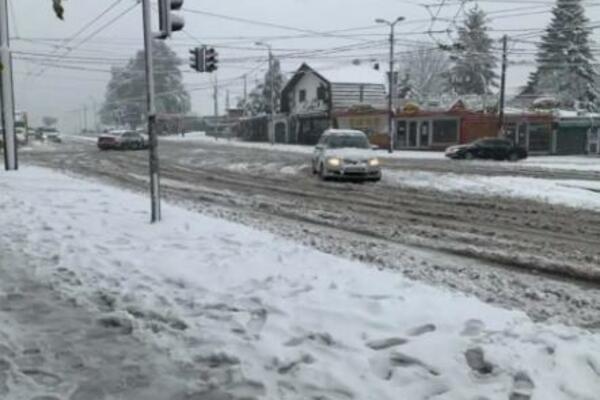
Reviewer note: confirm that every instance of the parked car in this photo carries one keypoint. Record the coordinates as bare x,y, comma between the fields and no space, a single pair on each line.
127,140
345,154
488,148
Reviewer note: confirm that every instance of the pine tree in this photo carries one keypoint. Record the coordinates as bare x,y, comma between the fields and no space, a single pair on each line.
564,60
125,99
474,63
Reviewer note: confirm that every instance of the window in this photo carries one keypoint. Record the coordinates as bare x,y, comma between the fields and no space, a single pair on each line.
302,96
445,131
321,93
342,142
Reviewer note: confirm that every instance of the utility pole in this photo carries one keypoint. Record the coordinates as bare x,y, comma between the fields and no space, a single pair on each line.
7,96
271,75
85,120
216,97
502,86
151,111
245,89
392,83
227,100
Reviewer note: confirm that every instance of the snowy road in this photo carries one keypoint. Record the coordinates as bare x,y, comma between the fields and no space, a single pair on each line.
543,258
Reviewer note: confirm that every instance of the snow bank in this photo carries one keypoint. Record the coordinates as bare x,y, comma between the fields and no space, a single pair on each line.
190,136
573,193
272,319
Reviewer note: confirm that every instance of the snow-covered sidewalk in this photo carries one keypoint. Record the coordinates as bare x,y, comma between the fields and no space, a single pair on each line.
254,316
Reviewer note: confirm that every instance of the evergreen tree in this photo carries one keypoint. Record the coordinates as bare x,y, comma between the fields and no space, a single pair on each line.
125,99
473,60
564,60
259,99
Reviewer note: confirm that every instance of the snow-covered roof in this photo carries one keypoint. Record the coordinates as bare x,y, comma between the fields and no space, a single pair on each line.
344,132
353,74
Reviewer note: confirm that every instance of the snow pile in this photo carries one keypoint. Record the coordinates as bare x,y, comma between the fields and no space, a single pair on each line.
265,318
189,136
573,193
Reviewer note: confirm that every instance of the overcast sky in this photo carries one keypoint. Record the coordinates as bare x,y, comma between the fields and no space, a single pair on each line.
75,74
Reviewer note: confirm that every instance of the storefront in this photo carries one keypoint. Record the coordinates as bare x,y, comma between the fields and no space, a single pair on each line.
368,120
534,132
433,132
593,144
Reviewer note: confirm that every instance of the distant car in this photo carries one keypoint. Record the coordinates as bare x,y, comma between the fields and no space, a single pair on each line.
345,154
21,136
49,134
128,140
488,148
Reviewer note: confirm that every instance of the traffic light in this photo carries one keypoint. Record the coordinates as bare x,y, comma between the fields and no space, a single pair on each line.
169,22
204,59
210,60
197,58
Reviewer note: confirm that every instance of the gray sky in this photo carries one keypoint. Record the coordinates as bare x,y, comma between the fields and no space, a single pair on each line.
76,72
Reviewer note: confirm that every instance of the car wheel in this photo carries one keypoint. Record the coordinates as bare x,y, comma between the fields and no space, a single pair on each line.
322,172
469,155
513,156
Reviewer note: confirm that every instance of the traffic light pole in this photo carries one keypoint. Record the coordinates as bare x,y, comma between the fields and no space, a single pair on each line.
151,111
392,94
7,93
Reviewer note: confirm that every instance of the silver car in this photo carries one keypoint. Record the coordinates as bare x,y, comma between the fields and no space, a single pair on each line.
345,154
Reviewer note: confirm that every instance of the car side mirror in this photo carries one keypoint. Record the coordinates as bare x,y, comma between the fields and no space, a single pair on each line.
374,147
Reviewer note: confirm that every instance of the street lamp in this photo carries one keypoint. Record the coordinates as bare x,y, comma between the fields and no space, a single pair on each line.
392,86
268,46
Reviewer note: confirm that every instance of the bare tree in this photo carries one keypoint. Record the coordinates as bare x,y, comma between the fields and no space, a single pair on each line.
425,70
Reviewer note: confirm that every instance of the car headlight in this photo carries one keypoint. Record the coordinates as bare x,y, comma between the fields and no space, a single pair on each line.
374,162
334,162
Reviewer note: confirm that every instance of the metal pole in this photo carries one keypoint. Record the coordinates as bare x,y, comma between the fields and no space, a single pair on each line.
392,91
502,85
7,93
154,167
216,99
245,93
85,120
272,96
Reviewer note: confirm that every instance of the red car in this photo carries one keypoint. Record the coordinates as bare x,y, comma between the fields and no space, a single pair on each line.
124,141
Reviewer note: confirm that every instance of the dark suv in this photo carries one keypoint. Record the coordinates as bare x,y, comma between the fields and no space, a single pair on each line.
489,148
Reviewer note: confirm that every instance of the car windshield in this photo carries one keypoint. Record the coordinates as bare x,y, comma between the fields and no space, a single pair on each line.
342,142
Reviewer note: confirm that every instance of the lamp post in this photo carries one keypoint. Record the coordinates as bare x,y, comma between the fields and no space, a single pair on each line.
392,86
272,100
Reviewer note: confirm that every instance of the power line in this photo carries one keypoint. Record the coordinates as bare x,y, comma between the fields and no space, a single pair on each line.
97,31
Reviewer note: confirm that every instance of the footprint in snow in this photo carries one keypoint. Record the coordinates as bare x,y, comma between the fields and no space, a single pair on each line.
258,319
324,339
43,378
421,330
382,344
522,387
473,327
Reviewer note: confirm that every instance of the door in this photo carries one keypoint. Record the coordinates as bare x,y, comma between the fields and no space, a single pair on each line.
424,134
280,132
522,136
412,134
401,134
